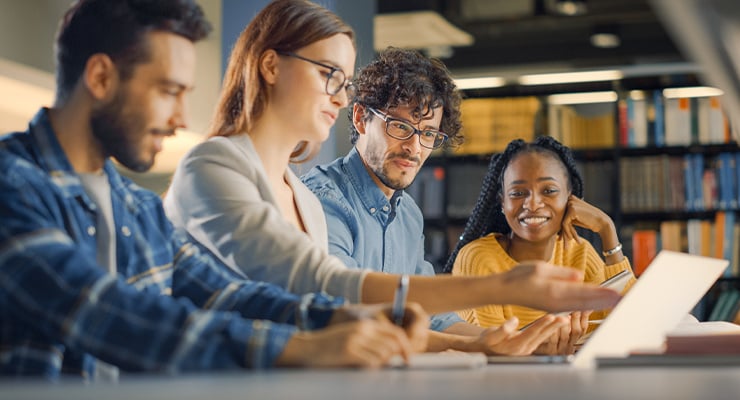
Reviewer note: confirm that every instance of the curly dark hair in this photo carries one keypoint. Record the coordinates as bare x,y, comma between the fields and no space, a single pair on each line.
400,77
487,216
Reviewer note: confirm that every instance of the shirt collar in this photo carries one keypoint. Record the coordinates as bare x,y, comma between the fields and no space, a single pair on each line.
368,191
55,162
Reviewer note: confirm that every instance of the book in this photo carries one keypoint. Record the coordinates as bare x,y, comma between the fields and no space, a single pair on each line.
644,249
718,338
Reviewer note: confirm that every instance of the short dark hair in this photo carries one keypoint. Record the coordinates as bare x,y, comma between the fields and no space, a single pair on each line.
487,216
399,77
117,28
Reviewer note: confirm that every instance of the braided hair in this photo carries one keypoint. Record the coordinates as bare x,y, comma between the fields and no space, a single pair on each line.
487,215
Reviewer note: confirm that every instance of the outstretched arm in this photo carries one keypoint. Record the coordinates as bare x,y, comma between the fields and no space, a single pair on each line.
532,284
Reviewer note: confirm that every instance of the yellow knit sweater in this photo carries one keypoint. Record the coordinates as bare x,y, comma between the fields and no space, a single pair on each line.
485,256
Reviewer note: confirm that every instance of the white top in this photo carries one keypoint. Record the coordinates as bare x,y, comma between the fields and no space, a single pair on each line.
220,194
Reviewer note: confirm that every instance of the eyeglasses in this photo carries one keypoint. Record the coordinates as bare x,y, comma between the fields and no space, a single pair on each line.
335,78
402,130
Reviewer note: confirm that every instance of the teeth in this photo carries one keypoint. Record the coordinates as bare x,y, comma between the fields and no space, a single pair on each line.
534,220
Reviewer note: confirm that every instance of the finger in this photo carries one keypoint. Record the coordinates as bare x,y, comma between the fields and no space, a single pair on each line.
540,331
564,336
549,271
576,326
380,342
585,317
573,296
416,326
574,233
498,340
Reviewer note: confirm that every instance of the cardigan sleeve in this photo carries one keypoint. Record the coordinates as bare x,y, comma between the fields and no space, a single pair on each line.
477,260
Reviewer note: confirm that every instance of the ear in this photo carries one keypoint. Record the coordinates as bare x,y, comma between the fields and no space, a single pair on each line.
268,66
100,77
358,117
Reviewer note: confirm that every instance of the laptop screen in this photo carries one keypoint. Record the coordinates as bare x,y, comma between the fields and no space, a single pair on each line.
671,285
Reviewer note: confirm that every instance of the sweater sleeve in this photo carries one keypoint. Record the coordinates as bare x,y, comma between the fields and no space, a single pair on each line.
476,260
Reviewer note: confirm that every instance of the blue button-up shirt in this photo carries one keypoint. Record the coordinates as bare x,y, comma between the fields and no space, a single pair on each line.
366,229
170,307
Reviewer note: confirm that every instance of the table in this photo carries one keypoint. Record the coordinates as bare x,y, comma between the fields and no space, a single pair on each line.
492,382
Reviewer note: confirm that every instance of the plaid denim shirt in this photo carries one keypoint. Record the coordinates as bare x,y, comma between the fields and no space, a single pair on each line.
170,308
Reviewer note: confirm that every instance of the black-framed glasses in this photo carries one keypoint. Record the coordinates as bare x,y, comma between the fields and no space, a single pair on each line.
335,78
402,130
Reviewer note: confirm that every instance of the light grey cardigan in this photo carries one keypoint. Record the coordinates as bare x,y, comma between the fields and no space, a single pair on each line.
221,196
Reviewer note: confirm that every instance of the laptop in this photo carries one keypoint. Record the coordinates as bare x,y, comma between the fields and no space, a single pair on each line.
663,295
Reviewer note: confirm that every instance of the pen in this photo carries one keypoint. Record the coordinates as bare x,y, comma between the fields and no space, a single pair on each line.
399,300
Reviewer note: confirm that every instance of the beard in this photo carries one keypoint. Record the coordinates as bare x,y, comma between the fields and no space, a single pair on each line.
118,129
378,165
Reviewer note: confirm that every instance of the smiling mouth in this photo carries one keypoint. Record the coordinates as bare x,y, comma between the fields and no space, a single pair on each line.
533,220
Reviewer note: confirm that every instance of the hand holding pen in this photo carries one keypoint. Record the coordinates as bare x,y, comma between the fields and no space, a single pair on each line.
409,317
399,300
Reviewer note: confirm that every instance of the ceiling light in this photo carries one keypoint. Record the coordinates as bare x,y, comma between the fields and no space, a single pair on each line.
570,77
417,30
480,82
606,37
693,91
583,98
570,7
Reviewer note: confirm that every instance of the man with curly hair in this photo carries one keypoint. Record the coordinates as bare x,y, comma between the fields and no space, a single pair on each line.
404,106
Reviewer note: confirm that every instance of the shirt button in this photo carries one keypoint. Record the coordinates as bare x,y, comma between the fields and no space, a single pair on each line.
372,210
126,231
91,230
385,208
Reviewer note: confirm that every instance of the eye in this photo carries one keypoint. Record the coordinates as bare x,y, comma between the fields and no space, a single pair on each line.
552,191
172,91
402,127
516,193
429,134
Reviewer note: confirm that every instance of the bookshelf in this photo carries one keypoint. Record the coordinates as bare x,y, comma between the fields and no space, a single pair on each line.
680,190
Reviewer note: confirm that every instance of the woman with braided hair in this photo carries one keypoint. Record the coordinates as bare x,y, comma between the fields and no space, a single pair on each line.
528,208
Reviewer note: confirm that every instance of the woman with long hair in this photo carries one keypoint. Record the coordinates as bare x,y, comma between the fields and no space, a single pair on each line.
288,76
528,208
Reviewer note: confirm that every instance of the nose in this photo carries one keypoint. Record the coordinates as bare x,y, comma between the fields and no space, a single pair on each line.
533,201
341,99
412,145
178,119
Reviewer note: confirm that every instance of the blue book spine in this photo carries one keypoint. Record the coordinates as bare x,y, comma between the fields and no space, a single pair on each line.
659,125
736,194
698,172
732,179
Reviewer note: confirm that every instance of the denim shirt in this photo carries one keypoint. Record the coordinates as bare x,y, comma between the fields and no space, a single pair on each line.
169,308
365,229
